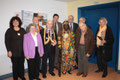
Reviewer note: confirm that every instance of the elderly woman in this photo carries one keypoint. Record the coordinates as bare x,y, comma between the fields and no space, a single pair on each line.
104,43
66,41
33,50
14,45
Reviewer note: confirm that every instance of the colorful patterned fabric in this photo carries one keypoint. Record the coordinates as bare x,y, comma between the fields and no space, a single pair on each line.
68,51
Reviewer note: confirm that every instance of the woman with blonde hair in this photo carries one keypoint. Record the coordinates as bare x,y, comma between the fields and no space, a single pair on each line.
104,44
33,50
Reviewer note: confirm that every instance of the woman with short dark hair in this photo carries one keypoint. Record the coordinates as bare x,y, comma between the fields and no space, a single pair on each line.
14,45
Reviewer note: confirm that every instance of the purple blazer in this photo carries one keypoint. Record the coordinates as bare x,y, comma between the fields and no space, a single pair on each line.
29,45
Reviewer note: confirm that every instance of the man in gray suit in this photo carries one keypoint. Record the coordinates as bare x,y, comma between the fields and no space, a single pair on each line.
57,27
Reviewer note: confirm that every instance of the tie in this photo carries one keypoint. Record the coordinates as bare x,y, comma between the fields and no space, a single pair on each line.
39,28
55,26
49,33
71,27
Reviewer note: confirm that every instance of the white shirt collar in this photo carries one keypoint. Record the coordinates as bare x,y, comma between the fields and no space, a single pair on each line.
35,39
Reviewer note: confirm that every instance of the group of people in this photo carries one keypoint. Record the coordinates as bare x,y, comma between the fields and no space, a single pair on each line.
74,42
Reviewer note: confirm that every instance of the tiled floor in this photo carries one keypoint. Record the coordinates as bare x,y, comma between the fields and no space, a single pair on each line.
112,75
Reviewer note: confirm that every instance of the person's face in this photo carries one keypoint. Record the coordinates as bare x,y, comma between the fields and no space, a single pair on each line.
49,24
32,29
15,23
35,20
55,18
70,19
102,23
66,27
38,17
82,26
81,20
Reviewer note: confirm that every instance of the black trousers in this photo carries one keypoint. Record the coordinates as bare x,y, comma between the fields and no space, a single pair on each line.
77,59
49,54
101,60
34,66
18,67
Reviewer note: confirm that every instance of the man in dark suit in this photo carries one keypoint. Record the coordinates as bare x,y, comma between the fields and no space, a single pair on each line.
49,41
57,26
73,27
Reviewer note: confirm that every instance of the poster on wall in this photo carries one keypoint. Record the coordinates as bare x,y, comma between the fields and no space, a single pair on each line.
42,19
27,17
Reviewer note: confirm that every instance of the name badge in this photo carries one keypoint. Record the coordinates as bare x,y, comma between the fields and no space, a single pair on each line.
18,34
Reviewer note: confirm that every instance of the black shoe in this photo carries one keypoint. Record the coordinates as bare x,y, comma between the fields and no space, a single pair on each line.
76,67
56,67
53,74
69,72
23,78
104,75
40,71
44,76
38,79
97,71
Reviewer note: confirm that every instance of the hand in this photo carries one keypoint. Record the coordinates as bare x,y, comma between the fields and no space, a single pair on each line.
59,46
103,41
41,55
54,43
88,55
9,54
27,57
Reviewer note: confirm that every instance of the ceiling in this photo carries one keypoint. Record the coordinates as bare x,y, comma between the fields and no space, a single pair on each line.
66,0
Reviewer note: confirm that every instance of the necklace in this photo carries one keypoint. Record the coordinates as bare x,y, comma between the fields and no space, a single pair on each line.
49,37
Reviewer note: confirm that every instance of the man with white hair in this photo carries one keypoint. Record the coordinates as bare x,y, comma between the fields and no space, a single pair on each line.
83,20
73,26
49,41
84,44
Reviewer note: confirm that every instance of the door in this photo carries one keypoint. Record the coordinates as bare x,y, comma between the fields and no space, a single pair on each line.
111,13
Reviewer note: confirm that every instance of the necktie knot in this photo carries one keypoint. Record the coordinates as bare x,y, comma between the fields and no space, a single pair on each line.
71,27
49,32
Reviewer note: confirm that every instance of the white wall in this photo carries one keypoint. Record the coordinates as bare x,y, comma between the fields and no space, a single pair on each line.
8,9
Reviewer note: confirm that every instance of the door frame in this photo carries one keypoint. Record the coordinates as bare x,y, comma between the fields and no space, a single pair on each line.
107,5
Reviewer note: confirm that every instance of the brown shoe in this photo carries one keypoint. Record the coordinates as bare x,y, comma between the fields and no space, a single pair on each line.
84,75
79,73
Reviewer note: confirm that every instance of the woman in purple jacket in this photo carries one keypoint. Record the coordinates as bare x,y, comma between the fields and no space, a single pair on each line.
33,50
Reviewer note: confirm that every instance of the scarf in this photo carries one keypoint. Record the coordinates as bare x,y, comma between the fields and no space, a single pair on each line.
101,33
